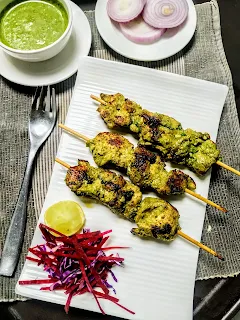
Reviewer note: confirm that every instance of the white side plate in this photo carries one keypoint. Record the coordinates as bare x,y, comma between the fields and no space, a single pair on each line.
169,44
158,279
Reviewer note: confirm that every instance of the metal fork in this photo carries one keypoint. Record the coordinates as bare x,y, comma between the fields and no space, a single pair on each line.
41,123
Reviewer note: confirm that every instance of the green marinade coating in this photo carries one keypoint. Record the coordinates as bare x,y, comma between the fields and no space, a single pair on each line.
161,132
144,168
147,171
111,149
154,217
119,195
158,219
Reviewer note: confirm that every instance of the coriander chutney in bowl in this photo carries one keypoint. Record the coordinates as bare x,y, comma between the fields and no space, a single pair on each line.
31,25
37,27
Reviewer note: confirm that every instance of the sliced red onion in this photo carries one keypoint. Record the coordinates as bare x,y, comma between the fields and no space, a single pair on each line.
165,13
124,10
140,32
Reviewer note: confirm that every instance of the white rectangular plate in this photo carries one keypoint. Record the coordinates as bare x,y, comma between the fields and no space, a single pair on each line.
158,279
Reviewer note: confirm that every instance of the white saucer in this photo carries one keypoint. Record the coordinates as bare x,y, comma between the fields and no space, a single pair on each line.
57,69
169,44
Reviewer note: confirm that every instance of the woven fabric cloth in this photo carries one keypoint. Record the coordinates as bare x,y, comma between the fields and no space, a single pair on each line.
203,58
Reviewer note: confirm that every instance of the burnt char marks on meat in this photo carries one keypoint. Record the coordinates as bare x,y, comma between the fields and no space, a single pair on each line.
142,157
112,181
111,186
116,141
140,162
177,181
105,114
157,230
132,215
128,195
77,175
112,203
153,123
172,156
120,121
129,106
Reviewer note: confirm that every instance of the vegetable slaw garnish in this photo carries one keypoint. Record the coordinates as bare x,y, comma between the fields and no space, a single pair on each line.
76,264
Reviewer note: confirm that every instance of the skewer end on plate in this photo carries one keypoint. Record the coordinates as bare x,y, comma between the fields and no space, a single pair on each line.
98,99
64,164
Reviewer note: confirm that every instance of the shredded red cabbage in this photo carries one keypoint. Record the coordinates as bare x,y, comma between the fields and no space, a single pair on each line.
76,264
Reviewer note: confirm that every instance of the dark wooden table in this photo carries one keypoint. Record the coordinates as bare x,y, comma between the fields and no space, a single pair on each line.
213,299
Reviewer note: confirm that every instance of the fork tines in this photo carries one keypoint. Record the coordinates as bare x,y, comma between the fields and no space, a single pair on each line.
44,99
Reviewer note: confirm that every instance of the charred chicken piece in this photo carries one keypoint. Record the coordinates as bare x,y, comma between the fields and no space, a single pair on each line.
119,195
147,171
161,132
158,219
111,149
154,217
144,168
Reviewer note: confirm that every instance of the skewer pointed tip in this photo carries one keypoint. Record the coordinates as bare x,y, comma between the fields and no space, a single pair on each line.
220,257
73,132
211,203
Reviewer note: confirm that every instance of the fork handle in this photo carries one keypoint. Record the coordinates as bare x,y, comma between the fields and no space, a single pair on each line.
15,235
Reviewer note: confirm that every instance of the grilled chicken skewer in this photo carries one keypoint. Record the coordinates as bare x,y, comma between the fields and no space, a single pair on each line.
161,132
154,217
144,168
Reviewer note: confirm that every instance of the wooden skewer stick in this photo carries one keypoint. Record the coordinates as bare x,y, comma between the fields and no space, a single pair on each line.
64,164
196,195
219,163
73,132
180,233
211,203
225,166
200,245
98,99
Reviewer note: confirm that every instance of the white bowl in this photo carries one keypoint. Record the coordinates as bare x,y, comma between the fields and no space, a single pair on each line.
43,53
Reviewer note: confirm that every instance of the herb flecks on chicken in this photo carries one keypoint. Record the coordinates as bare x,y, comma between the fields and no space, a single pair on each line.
157,218
111,149
154,217
161,132
121,196
119,111
144,168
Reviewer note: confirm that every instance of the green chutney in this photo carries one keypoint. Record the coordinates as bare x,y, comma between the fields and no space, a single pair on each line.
31,25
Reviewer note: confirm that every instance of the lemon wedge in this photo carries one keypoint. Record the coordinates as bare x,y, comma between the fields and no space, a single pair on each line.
66,217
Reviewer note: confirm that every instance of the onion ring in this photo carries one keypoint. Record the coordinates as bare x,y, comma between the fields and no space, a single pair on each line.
139,31
124,10
165,13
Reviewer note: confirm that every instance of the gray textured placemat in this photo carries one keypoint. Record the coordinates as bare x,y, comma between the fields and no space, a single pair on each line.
203,58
